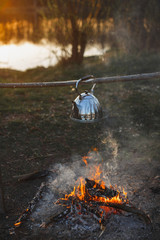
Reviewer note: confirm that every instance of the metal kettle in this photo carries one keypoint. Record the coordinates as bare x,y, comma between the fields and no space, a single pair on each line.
86,107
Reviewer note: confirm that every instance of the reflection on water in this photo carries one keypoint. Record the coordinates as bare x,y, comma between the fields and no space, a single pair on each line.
29,55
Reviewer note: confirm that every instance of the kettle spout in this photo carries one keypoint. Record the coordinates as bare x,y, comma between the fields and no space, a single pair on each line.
75,110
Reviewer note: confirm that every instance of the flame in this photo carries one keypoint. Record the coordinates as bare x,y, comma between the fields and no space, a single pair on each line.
96,173
84,159
17,224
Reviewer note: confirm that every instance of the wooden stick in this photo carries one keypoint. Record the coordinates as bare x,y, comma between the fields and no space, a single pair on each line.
135,77
32,176
125,208
30,207
58,213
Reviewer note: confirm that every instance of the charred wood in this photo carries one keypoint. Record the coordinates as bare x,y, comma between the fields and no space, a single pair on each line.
59,213
30,207
94,207
95,189
126,208
86,208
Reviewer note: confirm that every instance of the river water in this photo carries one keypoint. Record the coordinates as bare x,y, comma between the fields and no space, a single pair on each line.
28,55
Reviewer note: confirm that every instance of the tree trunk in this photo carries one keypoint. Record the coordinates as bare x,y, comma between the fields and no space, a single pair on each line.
75,37
83,43
75,54
79,41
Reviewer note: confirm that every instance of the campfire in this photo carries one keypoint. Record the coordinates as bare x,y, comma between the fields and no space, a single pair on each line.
90,199
91,196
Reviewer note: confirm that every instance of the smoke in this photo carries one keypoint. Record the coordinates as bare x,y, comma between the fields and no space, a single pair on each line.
123,37
112,172
101,165
68,174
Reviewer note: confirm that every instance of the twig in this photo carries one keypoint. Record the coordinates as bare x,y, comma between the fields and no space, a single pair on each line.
30,207
59,213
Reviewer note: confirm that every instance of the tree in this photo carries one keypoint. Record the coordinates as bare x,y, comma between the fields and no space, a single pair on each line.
73,23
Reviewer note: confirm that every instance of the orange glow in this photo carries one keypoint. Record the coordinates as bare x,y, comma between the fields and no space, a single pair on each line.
95,149
84,159
125,193
80,192
17,224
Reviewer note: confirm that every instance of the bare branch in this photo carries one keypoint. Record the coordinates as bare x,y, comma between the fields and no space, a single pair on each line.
135,77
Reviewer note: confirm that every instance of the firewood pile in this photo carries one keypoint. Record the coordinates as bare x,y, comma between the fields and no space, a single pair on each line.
93,200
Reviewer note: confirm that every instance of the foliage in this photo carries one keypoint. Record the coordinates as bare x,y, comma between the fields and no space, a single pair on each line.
131,26
74,25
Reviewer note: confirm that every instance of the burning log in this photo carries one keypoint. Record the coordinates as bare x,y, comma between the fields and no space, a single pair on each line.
95,189
97,199
126,208
95,211
30,207
80,210
94,208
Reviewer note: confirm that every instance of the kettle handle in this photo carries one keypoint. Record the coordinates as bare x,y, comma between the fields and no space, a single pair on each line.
83,79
